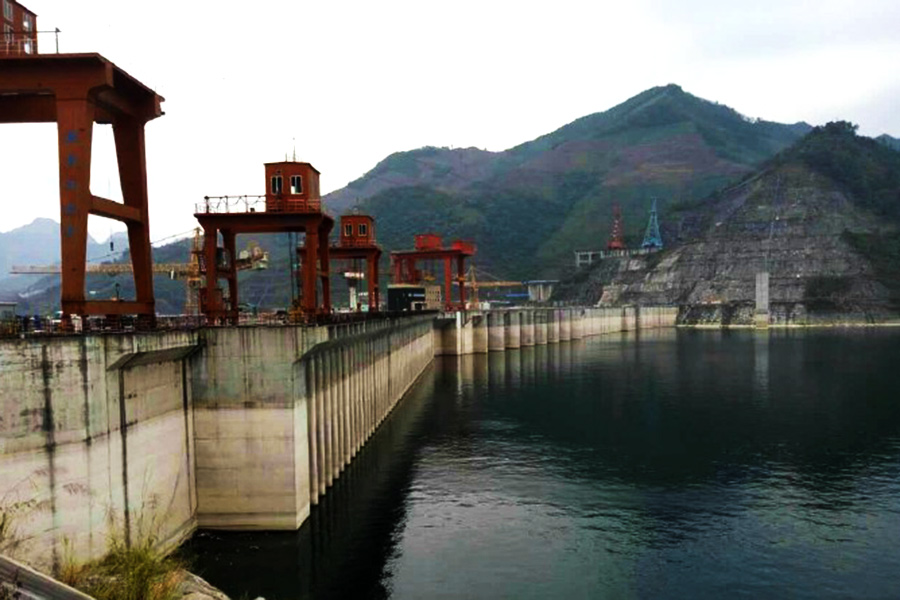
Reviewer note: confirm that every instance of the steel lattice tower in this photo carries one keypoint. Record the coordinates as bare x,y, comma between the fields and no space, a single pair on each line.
616,241
652,238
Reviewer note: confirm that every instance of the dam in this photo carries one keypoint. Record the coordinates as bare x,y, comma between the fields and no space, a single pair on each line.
136,436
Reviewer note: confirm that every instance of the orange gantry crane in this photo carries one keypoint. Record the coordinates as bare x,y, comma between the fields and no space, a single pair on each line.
192,272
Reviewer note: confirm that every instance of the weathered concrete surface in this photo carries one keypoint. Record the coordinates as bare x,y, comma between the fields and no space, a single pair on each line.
512,323
249,428
496,331
96,441
349,386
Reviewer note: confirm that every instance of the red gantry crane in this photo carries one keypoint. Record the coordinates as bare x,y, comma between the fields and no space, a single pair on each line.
291,204
430,247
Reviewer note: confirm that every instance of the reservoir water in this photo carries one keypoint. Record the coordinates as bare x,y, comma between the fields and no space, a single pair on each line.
673,464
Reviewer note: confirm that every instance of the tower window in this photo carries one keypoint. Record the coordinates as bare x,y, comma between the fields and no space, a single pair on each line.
348,230
8,33
276,184
363,229
26,22
26,46
8,10
296,184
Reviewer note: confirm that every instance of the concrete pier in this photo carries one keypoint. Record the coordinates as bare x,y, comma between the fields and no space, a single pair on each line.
512,320
540,327
565,324
496,331
553,326
526,336
385,363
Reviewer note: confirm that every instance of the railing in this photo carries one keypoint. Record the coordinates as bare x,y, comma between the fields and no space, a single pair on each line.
30,328
25,43
254,204
286,205
231,204
353,242
20,581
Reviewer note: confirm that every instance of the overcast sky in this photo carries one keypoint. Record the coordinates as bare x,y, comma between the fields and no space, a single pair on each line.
352,82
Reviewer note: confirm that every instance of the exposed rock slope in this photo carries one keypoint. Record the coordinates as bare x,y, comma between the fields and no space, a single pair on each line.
819,218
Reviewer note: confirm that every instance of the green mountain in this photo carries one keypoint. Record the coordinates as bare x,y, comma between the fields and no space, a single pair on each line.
822,217
528,208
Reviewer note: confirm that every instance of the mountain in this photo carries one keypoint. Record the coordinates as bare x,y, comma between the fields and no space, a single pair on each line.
822,217
528,208
38,244
889,141
440,168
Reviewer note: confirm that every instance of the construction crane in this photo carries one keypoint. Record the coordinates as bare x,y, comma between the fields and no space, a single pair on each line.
473,283
253,257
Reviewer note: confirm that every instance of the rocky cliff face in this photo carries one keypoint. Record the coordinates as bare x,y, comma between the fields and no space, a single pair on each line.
790,219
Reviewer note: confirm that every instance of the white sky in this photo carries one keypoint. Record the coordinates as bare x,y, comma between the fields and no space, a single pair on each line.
354,81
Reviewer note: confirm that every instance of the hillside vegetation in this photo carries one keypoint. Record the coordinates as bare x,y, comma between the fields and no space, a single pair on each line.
822,217
528,208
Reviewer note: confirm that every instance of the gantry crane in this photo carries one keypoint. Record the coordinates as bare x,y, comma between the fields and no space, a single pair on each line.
253,257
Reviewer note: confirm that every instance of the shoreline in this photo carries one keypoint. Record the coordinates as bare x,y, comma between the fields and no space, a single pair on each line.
842,325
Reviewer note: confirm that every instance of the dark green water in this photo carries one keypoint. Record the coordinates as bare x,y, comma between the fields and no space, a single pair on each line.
696,464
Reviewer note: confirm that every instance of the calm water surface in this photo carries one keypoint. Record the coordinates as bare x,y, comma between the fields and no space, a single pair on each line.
693,464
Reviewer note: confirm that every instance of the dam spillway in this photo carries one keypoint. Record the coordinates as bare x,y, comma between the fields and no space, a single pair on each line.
158,434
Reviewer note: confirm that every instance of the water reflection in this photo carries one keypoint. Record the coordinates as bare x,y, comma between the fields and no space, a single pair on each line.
693,463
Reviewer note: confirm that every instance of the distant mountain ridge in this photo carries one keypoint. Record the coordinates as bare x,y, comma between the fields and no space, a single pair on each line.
529,207
38,244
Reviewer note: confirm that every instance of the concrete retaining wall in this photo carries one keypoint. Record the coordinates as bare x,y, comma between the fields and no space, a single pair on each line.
97,441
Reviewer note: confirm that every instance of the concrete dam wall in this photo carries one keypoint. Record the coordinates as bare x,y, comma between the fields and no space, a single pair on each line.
95,442
157,434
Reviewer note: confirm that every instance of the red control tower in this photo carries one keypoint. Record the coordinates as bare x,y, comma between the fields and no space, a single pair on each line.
357,243
291,204
19,30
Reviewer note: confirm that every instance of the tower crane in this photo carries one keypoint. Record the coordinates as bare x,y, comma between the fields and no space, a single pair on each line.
251,258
